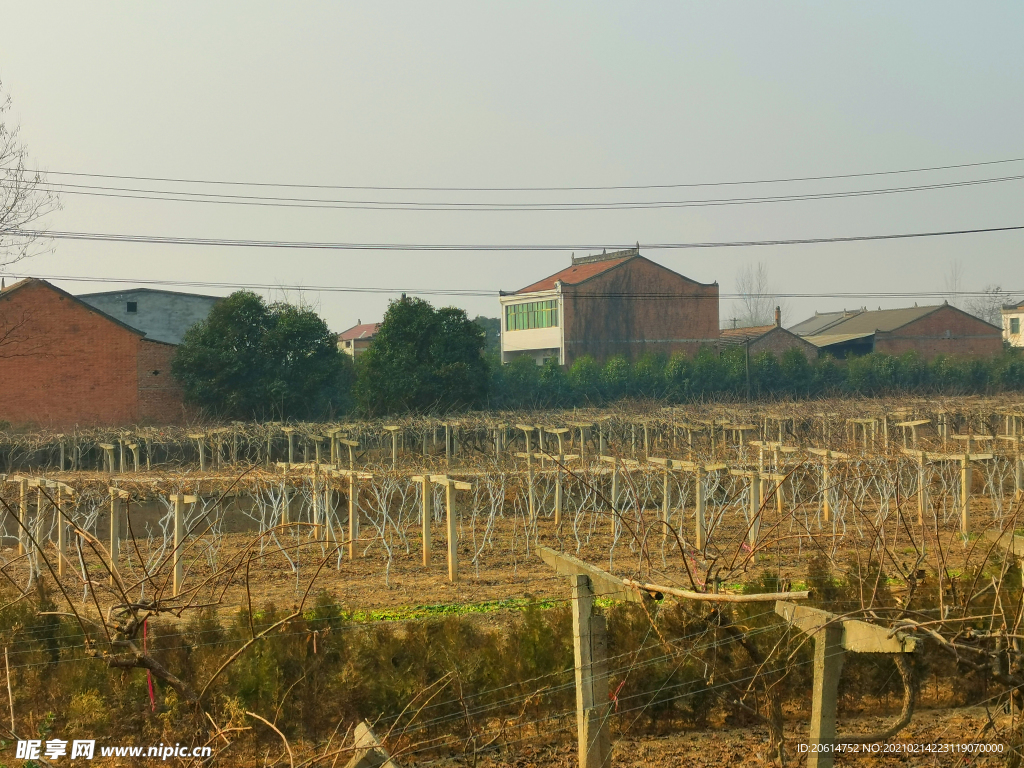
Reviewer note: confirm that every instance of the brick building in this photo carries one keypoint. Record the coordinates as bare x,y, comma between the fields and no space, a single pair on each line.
929,331
357,339
768,338
613,304
65,363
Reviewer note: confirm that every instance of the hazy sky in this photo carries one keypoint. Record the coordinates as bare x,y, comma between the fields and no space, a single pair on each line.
487,94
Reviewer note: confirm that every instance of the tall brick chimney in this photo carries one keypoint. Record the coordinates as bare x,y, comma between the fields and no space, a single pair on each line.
778,317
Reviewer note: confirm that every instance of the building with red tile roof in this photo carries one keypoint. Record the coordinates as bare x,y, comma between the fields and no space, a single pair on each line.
611,304
356,339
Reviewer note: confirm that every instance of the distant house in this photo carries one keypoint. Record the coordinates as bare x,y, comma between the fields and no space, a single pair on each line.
768,338
161,315
612,304
65,363
356,339
1012,316
930,331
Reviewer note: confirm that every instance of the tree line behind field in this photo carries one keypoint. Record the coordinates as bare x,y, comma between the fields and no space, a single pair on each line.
256,360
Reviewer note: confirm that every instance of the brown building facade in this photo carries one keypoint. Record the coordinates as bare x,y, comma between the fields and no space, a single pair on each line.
64,363
613,304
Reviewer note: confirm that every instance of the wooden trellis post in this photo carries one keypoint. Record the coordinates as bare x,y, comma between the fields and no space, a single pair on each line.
450,486
559,433
290,431
753,478
699,471
62,529
180,500
833,637
531,492
827,456
22,515
353,505
394,445
584,429
427,503
116,494
590,651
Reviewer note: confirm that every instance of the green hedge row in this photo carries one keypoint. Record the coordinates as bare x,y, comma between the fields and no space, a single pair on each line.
522,384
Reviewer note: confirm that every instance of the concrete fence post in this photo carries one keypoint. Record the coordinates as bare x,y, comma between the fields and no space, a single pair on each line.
453,537
755,510
698,494
62,532
428,513
115,535
589,645
353,515
22,516
828,663
179,535
965,495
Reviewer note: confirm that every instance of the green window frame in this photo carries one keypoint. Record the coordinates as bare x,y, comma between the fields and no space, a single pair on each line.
1014,325
531,314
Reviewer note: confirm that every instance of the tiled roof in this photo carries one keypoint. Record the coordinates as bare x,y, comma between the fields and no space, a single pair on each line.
881,320
364,331
575,274
742,335
820,322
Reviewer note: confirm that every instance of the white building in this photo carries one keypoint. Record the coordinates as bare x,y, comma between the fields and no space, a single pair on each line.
1013,317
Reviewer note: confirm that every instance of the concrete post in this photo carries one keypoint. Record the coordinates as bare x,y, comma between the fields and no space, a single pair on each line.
201,444
115,536
755,509
291,447
615,495
698,494
666,502
428,513
448,443
922,489
965,495
353,516
23,517
558,483
828,663
62,533
179,535
453,537
826,487
589,645
600,440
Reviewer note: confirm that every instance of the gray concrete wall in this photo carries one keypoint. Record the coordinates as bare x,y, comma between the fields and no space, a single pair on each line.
161,315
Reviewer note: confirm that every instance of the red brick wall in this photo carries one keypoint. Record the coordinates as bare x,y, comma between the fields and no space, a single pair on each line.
64,364
637,308
160,396
947,331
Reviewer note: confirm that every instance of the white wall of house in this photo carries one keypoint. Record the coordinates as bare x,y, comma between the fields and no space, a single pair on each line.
1013,324
538,343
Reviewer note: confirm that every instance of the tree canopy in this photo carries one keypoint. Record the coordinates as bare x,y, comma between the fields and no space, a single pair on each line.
423,359
250,359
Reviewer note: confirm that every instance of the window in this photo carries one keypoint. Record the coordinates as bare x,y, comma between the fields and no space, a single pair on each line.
534,314
1015,325
133,307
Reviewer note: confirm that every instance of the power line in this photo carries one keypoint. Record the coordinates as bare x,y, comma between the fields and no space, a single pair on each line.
491,207
528,189
340,246
492,293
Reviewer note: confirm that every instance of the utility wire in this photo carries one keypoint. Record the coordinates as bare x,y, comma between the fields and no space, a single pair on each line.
492,207
525,189
458,247
491,293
